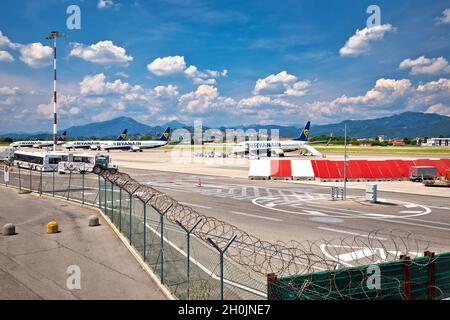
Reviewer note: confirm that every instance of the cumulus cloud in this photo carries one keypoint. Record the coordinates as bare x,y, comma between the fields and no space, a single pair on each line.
36,55
204,98
102,52
439,108
97,85
260,101
5,42
423,65
281,83
383,94
67,105
166,91
445,17
172,65
5,56
359,42
104,4
433,86
9,90
167,65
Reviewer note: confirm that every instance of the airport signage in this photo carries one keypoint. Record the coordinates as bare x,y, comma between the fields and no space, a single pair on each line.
6,173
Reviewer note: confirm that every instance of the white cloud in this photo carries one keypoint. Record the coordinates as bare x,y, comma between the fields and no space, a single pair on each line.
260,101
439,108
5,42
173,65
103,4
359,42
103,52
167,65
433,86
5,56
97,85
166,91
445,18
423,65
9,90
204,98
36,55
281,83
383,94
67,105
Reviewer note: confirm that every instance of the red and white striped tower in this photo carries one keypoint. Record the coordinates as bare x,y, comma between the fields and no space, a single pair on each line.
54,35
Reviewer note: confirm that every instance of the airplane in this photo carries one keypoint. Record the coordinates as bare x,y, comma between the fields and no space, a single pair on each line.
93,144
135,146
39,144
274,147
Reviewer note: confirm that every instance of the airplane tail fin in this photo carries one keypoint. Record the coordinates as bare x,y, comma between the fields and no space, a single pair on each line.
165,135
305,133
62,137
122,136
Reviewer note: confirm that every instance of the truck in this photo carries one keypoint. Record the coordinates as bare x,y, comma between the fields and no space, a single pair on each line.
421,173
444,181
86,162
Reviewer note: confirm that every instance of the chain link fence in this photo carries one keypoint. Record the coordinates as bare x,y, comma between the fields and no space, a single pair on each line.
200,257
158,227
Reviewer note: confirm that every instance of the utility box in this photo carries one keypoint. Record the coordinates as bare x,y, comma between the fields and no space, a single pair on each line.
337,193
372,193
421,173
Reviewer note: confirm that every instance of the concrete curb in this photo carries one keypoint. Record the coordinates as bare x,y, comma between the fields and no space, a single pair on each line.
122,238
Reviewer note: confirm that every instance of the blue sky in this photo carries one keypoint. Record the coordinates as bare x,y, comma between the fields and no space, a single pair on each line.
223,62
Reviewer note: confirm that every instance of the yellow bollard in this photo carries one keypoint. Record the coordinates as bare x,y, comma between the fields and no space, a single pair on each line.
52,227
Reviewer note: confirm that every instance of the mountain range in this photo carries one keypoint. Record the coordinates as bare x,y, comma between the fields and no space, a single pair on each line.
407,124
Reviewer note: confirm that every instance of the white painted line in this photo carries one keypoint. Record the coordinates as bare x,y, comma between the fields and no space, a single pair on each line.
254,216
315,213
350,233
195,205
339,231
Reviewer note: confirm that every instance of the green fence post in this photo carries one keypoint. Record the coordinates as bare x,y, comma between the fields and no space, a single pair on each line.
120,209
145,231
131,208
112,202
53,183
82,188
20,181
70,182
99,193
40,183
161,250
221,253
106,199
188,250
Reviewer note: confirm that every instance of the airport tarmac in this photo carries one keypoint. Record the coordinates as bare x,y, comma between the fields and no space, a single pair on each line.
33,264
277,211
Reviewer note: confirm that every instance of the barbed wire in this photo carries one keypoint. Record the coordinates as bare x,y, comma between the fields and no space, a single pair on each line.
281,258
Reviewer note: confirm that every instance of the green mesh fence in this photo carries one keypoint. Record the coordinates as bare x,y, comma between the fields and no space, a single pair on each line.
420,278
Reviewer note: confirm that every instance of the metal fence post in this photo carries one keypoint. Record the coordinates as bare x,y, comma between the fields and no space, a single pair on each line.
406,277
31,183
99,193
431,275
40,184
53,183
20,181
120,209
145,230
161,250
131,208
112,202
221,253
82,188
70,182
188,250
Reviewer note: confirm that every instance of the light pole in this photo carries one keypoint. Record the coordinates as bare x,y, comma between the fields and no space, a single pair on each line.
54,35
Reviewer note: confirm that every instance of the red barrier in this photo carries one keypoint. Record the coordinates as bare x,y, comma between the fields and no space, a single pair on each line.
280,168
337,170
354,171
322,169
440,166
395,168
365,169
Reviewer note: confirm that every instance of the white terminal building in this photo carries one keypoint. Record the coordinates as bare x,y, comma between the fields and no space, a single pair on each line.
437,142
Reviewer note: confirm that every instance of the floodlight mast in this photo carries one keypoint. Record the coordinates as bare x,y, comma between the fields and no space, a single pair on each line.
53,36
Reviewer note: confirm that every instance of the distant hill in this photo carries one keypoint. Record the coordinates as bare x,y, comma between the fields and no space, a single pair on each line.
407,124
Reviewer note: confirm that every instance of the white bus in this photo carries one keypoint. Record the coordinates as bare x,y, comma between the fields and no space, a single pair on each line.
40,161
86,162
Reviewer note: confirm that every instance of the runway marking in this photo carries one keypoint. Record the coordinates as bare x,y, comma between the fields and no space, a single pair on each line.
348,232
315,213
255,216
195,205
